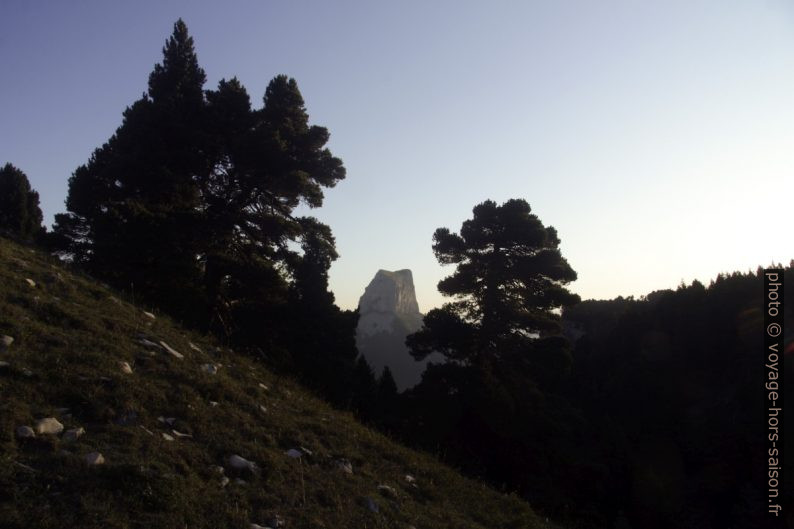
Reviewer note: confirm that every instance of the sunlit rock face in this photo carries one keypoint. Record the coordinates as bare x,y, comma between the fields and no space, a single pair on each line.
388,313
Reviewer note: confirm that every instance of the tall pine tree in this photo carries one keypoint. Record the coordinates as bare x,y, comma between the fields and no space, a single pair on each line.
133,208
492,407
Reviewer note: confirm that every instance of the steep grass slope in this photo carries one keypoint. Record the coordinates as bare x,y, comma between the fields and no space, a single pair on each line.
167,429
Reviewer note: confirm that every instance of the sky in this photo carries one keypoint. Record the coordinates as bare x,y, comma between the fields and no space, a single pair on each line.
656,137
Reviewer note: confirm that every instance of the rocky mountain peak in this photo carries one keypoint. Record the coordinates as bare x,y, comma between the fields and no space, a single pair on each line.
390,292
388,314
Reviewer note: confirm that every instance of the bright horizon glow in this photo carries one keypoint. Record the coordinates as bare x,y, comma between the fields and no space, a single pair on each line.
657,138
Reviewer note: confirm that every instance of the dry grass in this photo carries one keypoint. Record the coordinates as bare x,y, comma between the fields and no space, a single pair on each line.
70,335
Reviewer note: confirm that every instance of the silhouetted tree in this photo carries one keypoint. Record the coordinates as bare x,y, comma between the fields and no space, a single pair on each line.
365,390
669,384
321,336
388,400
192,199
492,407
134,207
267,162
20,215
510,277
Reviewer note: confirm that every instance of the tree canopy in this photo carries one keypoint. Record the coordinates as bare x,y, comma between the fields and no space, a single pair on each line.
20,215
191,201
510,277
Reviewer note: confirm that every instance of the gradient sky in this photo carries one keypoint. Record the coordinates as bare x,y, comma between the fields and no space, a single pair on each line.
657,137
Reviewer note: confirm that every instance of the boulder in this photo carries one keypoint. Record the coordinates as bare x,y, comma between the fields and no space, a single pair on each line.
25,432
5,342
239,463
211,369
94,458
73,434
387,492
49,426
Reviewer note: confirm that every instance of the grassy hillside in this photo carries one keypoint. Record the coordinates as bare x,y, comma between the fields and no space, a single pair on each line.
166,428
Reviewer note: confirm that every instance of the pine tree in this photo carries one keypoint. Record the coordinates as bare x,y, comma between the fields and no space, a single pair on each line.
20,215
133,208
509,281
506,357
267,162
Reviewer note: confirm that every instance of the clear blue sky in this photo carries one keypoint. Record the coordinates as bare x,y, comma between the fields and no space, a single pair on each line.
657,137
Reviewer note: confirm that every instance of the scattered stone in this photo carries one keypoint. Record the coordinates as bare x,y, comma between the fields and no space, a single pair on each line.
26,467
145,429
306,451
263,409
345,466
95,458
387,492
213,403
218,469
167,420
149,315
224,481
240,463
126,368
148,343
30,282
27,372
171,350
211,369
167,437
181,435
370,504
195,347
4,364
257,526
264,387
73,435
50,425
410,479
293,453
5,342
25,432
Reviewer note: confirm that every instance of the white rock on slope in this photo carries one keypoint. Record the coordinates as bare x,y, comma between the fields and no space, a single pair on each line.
240,463
50,425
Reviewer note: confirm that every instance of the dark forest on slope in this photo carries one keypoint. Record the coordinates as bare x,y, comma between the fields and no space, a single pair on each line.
620,413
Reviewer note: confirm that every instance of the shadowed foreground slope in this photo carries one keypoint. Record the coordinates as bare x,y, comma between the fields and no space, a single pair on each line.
166,429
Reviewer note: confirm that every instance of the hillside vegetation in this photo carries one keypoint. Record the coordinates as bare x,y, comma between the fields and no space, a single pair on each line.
167,428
